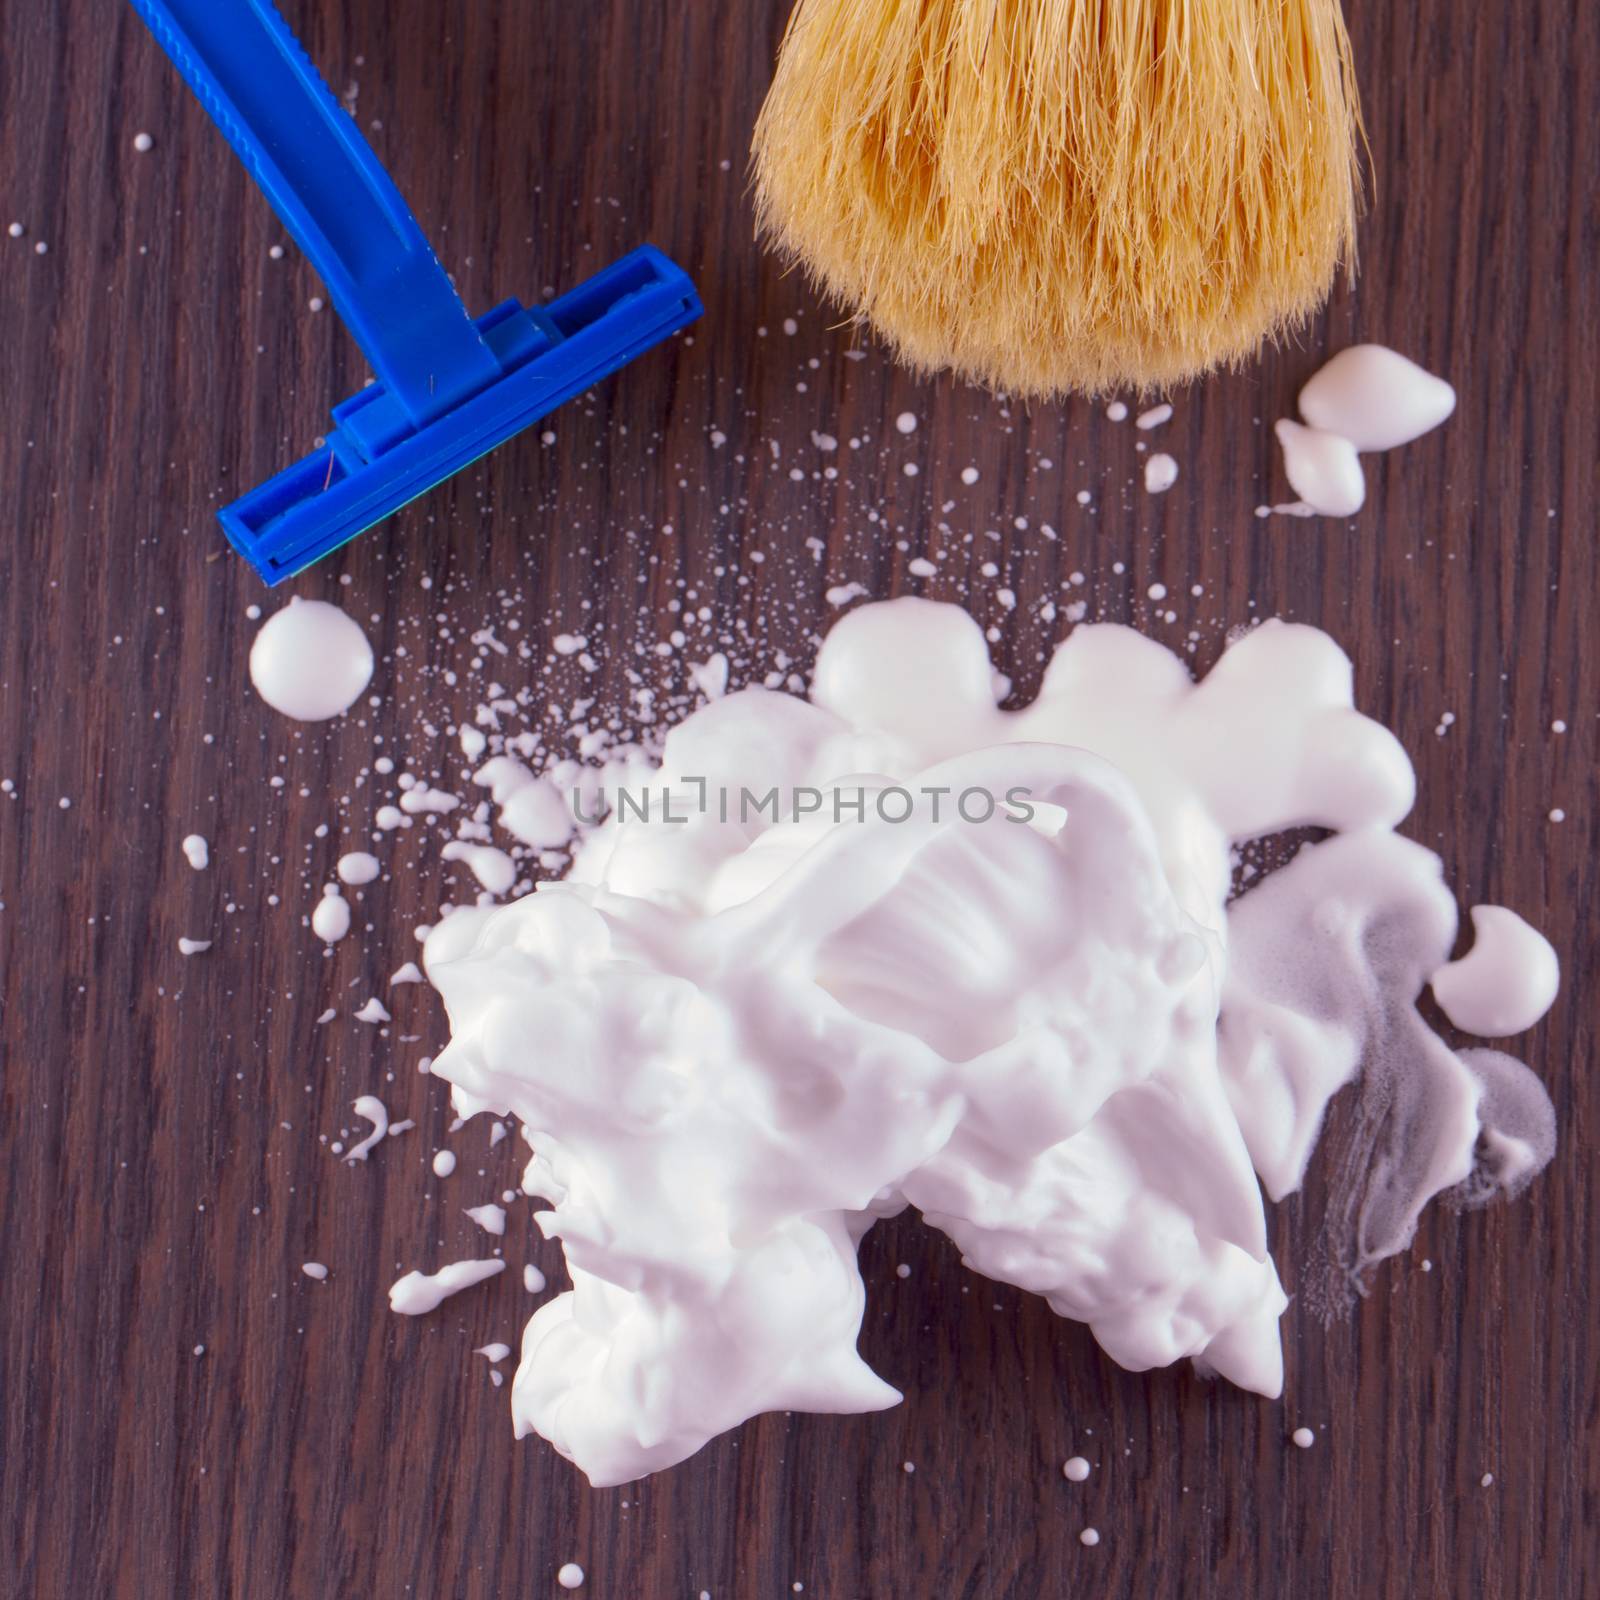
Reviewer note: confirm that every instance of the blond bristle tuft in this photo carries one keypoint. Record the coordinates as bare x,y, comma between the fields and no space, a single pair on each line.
1055,195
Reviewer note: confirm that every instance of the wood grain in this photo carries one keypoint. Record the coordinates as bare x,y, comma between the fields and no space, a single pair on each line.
162,1170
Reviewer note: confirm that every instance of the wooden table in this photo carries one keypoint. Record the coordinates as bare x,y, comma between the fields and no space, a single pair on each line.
164,1170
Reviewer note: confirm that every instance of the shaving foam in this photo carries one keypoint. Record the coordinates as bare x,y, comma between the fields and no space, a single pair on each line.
990,964
1366,399
310,661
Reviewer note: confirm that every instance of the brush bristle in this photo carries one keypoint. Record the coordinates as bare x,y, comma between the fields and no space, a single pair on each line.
1055,195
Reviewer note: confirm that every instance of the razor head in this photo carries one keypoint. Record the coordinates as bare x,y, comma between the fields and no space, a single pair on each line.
376,460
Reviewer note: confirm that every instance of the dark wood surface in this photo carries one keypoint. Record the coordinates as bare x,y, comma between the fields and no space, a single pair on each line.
162,1165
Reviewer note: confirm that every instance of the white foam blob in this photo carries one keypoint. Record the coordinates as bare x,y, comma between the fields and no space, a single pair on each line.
492,867
310,661
1375,398
1160,473
491,1218
425,799
330,920
372,1109
1322,468
530,808
358,867
418,1293
1505,983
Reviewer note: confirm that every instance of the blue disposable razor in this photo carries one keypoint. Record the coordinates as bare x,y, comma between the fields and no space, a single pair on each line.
448,389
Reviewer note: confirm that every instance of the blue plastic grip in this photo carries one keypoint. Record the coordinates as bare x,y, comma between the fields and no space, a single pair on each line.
309,159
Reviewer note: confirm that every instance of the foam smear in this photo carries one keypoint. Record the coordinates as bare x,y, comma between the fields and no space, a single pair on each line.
1327,959
735,1042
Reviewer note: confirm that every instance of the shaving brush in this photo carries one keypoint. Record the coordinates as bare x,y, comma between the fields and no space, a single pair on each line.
1058,195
